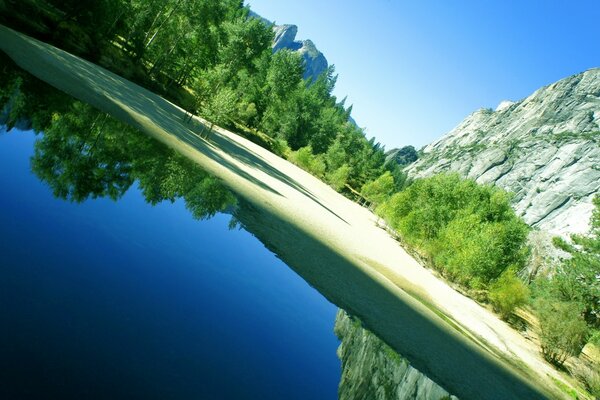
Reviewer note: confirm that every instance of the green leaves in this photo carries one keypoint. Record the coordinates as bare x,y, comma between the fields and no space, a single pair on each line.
507,293
468,230
380,189
577,279
563,332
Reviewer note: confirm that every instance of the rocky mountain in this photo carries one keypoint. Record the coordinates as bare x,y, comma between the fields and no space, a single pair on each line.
315,62
371,370
545,149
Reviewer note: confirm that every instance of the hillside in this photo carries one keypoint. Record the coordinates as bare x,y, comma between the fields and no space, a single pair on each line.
545,149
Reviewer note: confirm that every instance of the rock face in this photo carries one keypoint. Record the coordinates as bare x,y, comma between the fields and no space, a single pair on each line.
315,62
545,149
371,370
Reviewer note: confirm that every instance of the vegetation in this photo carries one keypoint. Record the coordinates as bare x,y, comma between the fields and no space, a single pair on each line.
507,293
589,376
84,153
403,156
563,333
568,302
380,189
213,58
472,236
469,232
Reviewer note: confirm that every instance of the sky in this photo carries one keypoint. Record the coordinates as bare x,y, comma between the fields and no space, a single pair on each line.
414,69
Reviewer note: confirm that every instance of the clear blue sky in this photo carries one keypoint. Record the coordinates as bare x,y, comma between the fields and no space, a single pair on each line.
415,69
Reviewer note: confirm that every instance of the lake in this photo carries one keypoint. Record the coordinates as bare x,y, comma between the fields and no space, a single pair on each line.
122,299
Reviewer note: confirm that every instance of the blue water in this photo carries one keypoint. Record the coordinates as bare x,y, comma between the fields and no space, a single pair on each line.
124,300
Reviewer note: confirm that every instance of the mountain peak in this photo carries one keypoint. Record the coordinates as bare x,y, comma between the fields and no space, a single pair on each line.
315,62
504,104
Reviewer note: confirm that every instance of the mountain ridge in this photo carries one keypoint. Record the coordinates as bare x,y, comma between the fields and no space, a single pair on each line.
544,149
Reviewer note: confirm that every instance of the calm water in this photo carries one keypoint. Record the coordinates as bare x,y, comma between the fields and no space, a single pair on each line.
122,299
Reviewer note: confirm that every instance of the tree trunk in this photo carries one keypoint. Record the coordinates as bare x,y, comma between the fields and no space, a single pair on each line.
162,23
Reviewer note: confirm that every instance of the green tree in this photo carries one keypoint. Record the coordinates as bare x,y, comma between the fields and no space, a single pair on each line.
563,332
507,293
80,156
578,277
380,189
469,231
338,178
221,107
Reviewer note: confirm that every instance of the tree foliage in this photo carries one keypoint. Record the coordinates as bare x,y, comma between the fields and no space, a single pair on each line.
469,231
563,332
507,293
380,189
568,301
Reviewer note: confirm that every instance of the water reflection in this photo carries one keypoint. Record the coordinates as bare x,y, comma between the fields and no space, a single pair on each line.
84,153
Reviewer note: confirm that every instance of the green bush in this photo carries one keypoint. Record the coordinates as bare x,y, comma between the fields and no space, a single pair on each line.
590,377
305,159
380,189
469,231
563,332
338,178
508,293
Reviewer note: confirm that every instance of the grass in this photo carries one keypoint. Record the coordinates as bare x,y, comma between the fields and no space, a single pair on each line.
569,391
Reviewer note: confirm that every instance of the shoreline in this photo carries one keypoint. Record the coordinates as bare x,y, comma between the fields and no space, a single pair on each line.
339,249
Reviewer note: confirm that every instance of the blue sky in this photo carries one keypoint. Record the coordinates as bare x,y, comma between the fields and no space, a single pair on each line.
414,69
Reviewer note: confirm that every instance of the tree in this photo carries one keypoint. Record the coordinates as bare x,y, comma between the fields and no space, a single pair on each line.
578,278
80,156
403,156
507,293
221,107
468,231
380,189
563,332
338,178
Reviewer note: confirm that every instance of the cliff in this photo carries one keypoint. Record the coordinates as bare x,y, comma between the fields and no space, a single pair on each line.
315,62
545,149
371,370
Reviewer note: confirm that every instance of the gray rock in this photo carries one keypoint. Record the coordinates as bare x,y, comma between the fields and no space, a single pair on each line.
285,36
545,149
315,62
371,370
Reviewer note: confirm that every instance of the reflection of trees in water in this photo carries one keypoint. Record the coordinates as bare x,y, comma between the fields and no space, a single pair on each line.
84,153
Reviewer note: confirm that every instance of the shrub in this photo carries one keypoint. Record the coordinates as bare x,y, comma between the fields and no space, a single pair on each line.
380,189
588,376
508,293
563,332
305,159
469,231
338,178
